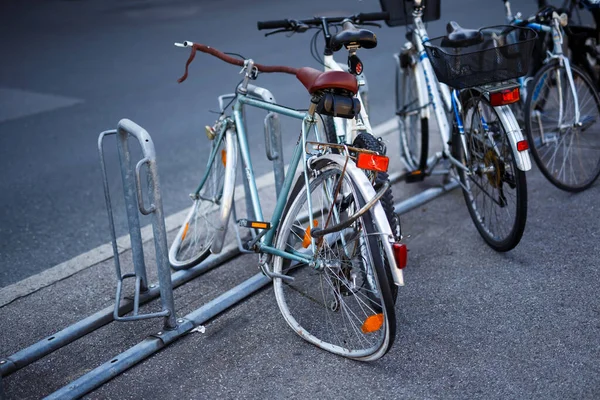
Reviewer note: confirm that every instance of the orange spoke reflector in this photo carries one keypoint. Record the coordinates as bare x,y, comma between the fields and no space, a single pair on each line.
306,239
185,231
400,254
505,97
372,162
224,157
372,323
522,145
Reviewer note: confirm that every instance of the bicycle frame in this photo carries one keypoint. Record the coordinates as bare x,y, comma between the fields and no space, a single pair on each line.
438,95
264,240
348,127
557,53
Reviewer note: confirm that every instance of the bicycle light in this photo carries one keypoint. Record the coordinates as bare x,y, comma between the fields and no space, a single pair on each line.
372,162
522,145
505,97
400,254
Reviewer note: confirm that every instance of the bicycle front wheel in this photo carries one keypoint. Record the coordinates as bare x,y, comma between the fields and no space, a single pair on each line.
566,150
494,189
414,130
193,241
341,300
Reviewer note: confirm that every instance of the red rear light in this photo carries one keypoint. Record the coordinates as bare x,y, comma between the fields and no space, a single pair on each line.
505,97
400,254
372,162
522,145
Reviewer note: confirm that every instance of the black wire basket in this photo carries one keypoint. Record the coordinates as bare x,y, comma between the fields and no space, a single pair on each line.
504,54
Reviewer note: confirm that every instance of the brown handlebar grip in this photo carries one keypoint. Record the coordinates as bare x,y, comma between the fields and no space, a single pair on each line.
232,60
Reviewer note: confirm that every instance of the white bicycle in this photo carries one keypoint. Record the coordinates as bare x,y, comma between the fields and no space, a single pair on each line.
483,146
356,132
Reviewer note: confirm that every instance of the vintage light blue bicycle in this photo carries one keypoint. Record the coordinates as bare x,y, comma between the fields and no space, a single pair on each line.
482,143
328,246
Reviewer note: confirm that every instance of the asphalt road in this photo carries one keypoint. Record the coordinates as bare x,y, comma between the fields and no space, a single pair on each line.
71,69
472,323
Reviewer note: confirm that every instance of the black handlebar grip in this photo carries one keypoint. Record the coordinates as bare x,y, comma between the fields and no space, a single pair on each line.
283,23
376,16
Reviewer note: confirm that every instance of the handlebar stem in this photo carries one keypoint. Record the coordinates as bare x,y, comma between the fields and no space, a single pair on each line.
248,70
327,51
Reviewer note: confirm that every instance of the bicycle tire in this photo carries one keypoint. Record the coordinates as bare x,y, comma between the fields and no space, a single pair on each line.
414,129
493,178
193,241
570,156
330,134
330,305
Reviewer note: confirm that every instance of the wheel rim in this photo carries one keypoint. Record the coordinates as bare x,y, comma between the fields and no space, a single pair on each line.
328,304
567,151
410,123
492,189
195,237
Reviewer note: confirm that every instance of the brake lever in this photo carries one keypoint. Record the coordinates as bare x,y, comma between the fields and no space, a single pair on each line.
295,27
278,31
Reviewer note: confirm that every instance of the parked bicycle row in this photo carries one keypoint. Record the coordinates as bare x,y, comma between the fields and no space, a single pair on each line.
334,246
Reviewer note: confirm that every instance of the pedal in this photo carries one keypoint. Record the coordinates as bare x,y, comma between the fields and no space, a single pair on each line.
245,223
415,176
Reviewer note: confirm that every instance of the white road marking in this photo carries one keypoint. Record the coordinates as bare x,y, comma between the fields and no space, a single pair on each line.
104,252
16,103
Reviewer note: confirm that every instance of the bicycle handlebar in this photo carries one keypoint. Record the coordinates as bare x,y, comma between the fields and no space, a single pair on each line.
290,23
231,60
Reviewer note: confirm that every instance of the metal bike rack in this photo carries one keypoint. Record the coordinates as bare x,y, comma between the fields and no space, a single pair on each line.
134,203
425,196
448,184
173,327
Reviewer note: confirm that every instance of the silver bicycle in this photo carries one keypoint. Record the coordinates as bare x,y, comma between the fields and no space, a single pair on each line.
466,79
349,33
561,108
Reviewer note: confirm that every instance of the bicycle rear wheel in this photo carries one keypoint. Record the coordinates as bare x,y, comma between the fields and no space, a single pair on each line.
494,189
414,130
343,303
566,151
367,141
193,241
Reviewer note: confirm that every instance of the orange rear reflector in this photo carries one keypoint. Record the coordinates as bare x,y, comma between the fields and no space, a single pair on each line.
306,239
185,231
522,145
224,157
505,97
400,254
372,162
372,323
